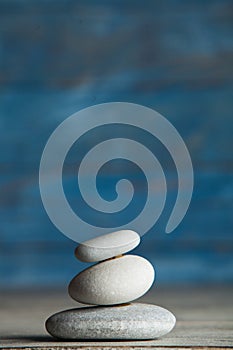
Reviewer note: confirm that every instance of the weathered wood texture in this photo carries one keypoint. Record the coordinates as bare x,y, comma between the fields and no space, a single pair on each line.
204,319
57,57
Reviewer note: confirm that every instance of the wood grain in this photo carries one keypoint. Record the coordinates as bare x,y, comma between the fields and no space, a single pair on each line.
204,319
57,57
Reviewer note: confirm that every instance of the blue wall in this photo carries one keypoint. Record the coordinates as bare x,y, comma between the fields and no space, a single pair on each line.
57,57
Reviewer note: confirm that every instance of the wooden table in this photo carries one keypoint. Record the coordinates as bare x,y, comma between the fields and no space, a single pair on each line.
204,319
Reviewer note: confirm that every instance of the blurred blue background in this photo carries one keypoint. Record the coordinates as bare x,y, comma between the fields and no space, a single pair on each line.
57,57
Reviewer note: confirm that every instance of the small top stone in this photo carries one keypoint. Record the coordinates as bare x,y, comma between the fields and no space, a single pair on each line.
107,246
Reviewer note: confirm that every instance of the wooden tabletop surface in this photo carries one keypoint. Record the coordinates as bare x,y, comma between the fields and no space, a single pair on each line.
204,319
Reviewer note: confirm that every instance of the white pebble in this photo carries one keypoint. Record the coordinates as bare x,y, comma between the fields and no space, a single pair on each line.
107,246
114,281
131,321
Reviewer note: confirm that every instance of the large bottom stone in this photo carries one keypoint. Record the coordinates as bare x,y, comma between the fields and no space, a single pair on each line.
128,321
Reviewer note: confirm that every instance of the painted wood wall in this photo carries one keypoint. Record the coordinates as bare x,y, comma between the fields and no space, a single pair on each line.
57,57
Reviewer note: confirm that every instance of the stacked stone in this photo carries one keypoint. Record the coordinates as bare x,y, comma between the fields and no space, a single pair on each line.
111,285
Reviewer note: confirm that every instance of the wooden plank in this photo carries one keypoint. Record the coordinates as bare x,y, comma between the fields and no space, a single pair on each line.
57,57
204,319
